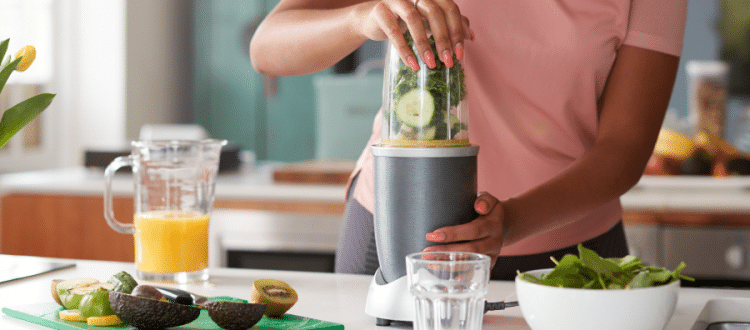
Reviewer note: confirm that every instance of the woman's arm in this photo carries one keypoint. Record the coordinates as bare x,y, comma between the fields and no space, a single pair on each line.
305,36
632,109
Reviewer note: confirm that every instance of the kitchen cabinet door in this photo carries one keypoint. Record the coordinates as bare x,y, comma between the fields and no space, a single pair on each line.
272,116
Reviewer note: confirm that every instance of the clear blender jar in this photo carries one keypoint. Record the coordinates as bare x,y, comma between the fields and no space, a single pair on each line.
425,108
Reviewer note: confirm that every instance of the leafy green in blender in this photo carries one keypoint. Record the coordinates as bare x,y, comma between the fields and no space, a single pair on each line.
590,271
445,86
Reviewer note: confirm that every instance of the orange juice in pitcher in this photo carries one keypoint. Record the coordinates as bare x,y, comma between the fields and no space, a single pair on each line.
174,196
171,241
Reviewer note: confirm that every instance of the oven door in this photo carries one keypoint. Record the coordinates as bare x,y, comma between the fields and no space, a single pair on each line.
272,240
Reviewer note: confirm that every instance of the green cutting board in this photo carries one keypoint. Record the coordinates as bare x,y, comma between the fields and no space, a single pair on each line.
47,315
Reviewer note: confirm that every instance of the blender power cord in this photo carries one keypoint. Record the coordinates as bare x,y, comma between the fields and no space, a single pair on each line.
499,305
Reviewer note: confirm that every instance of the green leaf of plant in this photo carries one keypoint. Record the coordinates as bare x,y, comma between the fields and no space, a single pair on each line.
605,267
661,276
7,70
21,114
630,264
566,273
641,280
532,278
4,47
5,62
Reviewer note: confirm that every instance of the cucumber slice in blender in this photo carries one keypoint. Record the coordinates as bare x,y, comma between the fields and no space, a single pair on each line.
415,108
426,133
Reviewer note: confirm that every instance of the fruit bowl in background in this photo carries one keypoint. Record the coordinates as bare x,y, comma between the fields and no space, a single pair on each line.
554,308
703,155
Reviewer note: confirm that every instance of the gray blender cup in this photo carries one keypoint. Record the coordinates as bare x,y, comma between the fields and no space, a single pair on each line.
418,190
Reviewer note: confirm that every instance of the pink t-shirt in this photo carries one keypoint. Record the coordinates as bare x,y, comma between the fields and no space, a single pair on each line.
534,74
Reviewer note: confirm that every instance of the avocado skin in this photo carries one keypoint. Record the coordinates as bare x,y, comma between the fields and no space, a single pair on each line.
234,315
145,313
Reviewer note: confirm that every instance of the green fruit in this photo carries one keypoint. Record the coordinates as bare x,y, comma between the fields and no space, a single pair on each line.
72,298
55,294
145,313
278,296
65,288
123,282
96,303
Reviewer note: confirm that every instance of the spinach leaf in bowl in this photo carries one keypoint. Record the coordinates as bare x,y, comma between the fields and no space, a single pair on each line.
590,271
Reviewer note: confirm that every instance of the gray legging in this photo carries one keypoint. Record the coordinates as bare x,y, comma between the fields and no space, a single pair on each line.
356,252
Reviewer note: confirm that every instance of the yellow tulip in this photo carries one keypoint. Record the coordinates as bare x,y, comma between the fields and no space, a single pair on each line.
29,54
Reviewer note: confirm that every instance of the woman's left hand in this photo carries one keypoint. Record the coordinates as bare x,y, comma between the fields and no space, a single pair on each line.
482,235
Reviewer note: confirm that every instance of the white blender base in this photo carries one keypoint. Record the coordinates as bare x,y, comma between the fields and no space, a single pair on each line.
389,301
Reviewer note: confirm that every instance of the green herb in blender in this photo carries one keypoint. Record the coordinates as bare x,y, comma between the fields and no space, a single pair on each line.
591,271
423,99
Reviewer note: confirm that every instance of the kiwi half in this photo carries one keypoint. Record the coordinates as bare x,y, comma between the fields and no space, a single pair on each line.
278,296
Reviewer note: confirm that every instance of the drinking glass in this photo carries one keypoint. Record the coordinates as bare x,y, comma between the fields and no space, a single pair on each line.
174,196
449,289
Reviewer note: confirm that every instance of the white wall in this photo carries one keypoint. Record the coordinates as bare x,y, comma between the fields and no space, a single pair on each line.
101,67
121,64
89,77
159,63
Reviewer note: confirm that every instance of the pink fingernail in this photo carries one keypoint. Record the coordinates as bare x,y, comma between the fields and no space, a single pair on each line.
448,58
481,207
411,61
429,59
435,237
472,33
460,51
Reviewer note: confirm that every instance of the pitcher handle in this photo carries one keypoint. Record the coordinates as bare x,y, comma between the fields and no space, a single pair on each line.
109,213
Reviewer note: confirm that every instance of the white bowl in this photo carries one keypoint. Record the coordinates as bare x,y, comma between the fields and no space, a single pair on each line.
552,308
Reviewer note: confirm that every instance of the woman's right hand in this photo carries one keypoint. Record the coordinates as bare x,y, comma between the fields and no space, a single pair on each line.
388,19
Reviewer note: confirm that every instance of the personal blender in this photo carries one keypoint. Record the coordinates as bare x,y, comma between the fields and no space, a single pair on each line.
425,173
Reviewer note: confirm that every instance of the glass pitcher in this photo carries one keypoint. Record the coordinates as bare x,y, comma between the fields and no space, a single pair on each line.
174,196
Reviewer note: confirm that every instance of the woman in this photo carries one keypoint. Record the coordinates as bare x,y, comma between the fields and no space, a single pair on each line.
567,98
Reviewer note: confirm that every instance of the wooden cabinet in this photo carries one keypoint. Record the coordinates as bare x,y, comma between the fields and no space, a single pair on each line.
66,226
63,227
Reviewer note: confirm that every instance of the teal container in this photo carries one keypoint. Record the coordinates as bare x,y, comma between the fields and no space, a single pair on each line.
346,107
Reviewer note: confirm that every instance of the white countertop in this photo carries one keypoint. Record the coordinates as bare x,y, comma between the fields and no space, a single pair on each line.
331,297
689,194
255,184
652,193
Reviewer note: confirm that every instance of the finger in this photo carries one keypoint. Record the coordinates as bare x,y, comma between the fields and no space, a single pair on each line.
467,28
439,28
477,229
484,246
390,26
485,203
455,22
414,21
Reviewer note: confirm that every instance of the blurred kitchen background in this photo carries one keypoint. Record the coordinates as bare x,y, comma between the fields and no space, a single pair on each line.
119,65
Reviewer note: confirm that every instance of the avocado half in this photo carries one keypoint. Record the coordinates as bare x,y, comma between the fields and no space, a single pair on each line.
234,315
145,313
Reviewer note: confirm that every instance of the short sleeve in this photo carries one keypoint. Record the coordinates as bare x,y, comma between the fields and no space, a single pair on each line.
657,25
